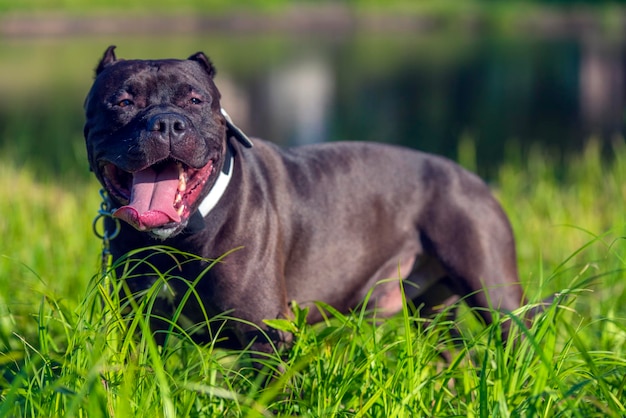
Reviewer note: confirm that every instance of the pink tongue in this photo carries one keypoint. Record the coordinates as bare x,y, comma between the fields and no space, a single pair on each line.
152,199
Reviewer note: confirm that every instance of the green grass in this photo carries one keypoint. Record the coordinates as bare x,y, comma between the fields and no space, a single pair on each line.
65,351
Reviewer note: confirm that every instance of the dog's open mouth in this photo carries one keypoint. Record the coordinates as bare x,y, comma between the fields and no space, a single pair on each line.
159,196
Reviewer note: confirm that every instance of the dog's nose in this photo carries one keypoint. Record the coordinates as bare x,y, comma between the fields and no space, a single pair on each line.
170,125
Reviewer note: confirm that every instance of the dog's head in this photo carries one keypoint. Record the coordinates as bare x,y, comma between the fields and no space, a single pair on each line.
156,138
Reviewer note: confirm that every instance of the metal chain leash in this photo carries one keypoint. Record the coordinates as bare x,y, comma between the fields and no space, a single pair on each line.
105,211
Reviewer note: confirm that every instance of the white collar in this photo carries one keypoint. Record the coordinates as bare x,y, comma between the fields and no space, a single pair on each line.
218,189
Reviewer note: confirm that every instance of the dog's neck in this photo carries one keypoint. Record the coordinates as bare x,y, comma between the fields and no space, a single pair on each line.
196,220
220,185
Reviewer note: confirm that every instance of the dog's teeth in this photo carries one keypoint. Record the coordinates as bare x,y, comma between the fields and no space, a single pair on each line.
182,179
180,210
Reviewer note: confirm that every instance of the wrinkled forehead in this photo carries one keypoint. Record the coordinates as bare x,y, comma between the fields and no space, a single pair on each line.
139,76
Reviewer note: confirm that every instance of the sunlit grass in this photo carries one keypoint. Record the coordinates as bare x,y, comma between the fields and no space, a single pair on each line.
47,247
65,349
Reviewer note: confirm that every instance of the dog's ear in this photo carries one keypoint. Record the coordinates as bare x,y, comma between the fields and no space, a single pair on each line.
107,59
205,62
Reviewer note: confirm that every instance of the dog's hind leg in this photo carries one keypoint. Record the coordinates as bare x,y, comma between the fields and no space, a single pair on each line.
472,239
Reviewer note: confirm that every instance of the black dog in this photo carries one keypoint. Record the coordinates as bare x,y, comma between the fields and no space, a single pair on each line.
326,222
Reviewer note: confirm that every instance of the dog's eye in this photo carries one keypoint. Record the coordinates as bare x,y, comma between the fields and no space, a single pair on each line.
195,100
125,102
